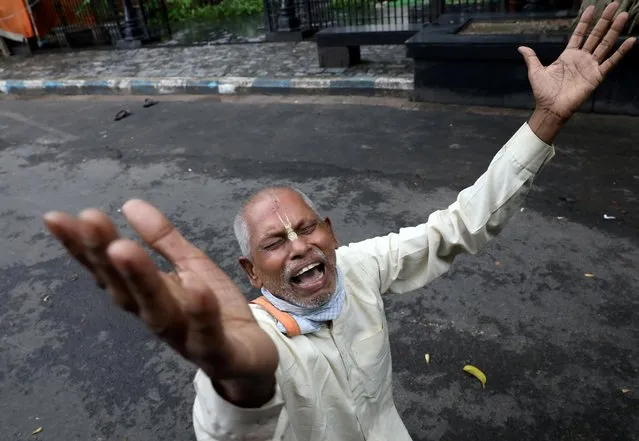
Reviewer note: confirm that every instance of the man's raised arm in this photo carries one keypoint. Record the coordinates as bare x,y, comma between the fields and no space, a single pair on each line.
414,256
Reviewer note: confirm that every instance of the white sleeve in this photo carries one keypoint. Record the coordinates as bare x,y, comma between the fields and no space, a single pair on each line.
215,419
414,256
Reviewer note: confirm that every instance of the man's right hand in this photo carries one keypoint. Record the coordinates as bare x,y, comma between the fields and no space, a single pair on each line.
197,309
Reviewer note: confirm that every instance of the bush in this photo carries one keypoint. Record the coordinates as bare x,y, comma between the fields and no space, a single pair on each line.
180,10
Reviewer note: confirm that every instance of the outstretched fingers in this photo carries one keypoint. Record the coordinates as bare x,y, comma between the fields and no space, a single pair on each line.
582,27
601,27
616,57
66,229
97,233
159,233
158,307
86,238
609,40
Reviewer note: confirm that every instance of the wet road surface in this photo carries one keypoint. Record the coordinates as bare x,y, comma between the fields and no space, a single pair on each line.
561,350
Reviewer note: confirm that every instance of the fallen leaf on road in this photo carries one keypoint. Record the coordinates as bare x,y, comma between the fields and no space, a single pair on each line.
38,430
427,357
589,275
498,264
472,370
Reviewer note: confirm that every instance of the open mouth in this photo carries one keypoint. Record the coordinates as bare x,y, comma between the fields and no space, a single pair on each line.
309,276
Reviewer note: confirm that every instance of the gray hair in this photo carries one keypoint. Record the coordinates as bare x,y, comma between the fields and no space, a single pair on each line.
241,228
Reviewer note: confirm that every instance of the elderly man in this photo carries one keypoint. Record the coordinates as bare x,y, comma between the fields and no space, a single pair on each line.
309,359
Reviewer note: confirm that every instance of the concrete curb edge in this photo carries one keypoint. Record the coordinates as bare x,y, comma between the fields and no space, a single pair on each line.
214,86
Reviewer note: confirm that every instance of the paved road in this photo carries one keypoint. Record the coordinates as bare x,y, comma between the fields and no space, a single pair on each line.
558,347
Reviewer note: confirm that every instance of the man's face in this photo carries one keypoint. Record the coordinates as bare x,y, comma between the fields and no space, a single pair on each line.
292,250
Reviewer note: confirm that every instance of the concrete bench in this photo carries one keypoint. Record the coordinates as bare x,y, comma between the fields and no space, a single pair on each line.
340,46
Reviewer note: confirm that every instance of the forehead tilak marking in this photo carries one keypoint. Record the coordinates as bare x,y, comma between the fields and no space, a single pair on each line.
290,233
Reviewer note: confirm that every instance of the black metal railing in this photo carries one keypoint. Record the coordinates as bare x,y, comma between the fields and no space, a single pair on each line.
318,14
99,22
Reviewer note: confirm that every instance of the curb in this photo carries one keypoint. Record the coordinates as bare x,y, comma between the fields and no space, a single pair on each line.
386,86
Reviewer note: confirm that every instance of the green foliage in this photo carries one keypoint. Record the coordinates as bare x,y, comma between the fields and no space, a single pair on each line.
180,10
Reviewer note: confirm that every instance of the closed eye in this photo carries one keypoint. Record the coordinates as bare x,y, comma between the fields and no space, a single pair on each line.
273,245
309,228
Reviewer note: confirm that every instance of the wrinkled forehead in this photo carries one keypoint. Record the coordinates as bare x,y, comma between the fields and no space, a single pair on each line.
272,212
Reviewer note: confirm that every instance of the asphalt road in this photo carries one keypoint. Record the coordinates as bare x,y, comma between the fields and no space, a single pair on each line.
561,350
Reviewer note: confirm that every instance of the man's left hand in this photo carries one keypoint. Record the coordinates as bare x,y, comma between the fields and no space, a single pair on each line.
561,88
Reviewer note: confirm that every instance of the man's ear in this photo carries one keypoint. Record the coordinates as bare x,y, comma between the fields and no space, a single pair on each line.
248,268
329,224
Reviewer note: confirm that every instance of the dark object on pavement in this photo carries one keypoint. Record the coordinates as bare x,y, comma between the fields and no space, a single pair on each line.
567,199
148,102
122,114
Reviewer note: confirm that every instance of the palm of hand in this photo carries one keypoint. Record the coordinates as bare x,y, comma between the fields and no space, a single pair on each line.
562,87
565,84
218,311
211,307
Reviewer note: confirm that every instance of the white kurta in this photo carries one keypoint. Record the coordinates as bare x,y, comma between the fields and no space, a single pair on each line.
335,384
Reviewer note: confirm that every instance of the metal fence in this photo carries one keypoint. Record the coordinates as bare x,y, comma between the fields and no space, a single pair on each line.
96,22
319,14
81,23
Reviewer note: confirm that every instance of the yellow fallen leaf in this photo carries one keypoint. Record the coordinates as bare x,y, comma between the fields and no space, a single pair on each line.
427,357
472,370
498,264
38,430
589,275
